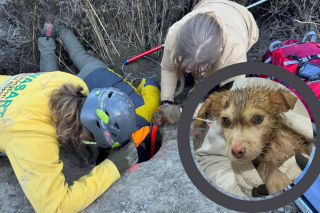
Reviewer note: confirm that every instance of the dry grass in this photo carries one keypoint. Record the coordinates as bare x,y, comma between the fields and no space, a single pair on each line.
107,29
282,20
112,30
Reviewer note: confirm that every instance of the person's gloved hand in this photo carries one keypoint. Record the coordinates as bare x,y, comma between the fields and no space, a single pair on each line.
157,119
124,158
260,191
170,113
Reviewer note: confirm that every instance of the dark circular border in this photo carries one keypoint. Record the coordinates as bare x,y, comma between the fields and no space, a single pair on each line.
185,150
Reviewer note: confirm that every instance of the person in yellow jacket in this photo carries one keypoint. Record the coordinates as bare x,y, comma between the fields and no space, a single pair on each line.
215,34
96,74
40,112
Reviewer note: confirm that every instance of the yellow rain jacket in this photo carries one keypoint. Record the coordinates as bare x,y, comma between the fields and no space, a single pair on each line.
146,98
29,139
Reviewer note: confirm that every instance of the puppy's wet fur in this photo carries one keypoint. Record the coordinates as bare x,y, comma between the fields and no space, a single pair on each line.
254,127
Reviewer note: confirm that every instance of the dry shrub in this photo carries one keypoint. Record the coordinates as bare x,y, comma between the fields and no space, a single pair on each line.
112,30
282,20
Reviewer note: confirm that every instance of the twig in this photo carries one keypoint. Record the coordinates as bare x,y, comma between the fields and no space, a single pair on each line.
138,37
68,67
59,55
33,34
102,26
60,60
204,120
306,22
99,36
85,39
20,68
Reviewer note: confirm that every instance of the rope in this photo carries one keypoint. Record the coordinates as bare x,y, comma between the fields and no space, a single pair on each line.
129,76
208,121
153,139
255,4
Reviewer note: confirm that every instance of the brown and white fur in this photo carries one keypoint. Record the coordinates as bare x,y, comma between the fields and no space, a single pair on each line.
254,128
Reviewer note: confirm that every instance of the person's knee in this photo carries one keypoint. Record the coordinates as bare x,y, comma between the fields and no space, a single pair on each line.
92,63
152,82
91,66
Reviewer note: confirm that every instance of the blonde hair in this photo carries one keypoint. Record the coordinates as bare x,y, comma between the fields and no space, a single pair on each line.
65,105
198,43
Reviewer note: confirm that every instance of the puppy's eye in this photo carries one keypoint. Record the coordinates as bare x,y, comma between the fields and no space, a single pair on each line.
257,119
225,121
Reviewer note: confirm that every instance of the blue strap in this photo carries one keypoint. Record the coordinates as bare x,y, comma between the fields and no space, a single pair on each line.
311,57
291,62
312,194
273,44
291,44
313,36
303,60
268,60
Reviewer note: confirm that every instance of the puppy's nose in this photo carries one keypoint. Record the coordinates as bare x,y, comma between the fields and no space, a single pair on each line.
238,151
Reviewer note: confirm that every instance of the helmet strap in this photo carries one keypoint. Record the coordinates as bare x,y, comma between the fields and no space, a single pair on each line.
88,142
79,102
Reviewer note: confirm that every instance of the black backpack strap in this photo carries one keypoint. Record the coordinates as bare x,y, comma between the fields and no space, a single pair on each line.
300,60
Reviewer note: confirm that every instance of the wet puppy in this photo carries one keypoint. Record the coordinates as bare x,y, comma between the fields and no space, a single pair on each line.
254,128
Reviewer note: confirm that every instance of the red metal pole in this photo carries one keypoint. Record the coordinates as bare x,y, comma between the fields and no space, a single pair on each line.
143,54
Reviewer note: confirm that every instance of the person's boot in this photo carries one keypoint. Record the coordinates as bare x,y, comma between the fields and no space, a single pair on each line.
48,31
59,27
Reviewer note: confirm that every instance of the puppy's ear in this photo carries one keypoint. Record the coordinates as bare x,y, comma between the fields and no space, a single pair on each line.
204,108
283,100
214,104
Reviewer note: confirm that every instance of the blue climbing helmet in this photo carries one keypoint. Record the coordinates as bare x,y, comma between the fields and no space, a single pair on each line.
110,116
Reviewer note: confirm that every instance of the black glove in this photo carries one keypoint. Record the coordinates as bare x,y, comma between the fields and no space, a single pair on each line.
301,160
157,119
124,158
103,154
260,191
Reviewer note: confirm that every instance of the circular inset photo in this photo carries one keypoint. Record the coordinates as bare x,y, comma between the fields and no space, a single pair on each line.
252,139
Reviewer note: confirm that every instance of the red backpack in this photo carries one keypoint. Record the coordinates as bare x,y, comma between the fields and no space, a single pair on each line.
291,55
